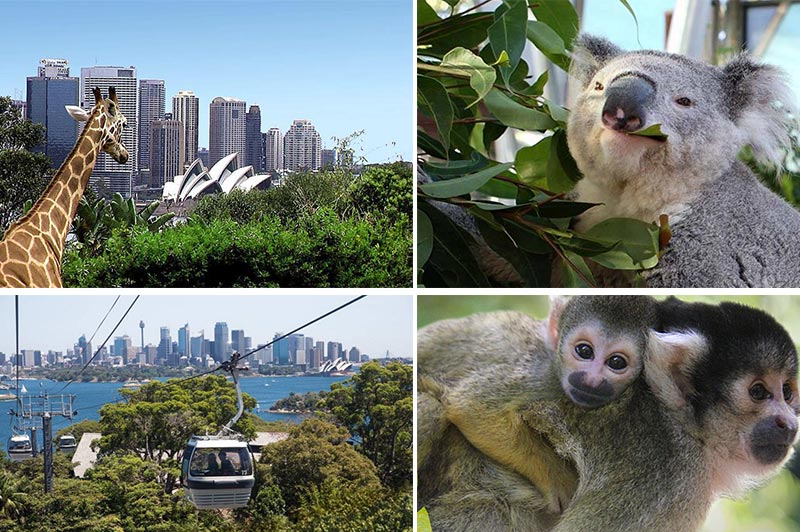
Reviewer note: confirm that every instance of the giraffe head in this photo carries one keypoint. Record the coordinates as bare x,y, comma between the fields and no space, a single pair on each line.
109,120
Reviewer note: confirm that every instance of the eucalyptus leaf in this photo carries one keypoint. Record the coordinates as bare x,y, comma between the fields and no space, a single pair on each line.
635,243
561,176
560,16
531,162
516,115
507,33
463,185
563,209
434,101
533,268
548,42
424,238
423,521
455,168
425,13
526,238
569,278
468,31
653,132
481,75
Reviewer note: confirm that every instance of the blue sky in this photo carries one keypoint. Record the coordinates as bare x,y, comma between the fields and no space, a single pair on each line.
373,324
346,65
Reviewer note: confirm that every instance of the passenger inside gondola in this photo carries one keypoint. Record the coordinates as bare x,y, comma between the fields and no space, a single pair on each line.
213,465
227,465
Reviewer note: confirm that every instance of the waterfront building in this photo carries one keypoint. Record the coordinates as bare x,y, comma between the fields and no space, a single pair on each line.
167,151
47,94
334,350
186,109
273,150
252,154
184,342
116,177
302,147
164,346
354,355
328,158
151,108
223,177
227,128
238,342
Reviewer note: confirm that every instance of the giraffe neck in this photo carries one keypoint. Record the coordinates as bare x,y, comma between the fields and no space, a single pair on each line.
53,212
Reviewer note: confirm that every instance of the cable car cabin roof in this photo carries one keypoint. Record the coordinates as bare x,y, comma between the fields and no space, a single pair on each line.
205,442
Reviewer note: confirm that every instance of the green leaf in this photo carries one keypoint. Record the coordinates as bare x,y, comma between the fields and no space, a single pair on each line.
433,100
563,209
635,243
508,34
534,268
468,31
516,115
451,258
548,42
423,521
452,3
425,13
526,238
424,238
481,75
562,172
537,89
635,20
559,114
463,185
569,278
531,162
653,132
455,168
560,16
502,59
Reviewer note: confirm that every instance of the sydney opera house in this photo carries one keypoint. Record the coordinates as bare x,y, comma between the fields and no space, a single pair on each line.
224,176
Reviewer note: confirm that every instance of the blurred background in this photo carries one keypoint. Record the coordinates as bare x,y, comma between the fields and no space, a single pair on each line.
774,507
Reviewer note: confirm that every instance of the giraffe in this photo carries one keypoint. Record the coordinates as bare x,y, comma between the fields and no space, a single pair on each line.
30,252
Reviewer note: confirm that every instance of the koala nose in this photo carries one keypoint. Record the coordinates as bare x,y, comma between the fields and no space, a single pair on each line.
627,99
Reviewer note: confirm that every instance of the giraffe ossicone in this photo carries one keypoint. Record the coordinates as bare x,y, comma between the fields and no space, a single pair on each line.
31,249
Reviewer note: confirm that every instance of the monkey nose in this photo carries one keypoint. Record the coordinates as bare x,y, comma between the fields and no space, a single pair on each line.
786,425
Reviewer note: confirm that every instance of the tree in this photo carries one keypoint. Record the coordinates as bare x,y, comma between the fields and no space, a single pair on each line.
315,452
156,421
12,495
23,175
376,406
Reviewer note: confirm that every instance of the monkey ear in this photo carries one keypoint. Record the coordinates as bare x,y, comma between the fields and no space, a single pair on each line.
590,54
759,102
557,306
668,368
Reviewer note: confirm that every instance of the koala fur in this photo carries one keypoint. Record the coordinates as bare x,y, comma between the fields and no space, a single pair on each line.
728,230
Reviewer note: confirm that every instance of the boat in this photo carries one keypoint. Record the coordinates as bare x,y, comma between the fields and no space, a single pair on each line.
132,383
7,396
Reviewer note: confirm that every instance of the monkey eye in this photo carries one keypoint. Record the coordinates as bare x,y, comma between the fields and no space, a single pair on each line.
584,351
598,86
617,363
759,392
685,102
787,392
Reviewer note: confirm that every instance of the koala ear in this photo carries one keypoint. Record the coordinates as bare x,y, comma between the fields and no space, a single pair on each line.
760,102
590,54
668,369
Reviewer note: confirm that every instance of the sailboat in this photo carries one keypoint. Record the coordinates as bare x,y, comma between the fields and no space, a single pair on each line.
23,389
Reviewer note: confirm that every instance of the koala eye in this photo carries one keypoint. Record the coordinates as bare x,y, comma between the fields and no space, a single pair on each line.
787,392
584,351
685,102
617,363
598,86
758,392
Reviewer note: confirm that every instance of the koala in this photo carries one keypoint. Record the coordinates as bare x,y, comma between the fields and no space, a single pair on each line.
728,230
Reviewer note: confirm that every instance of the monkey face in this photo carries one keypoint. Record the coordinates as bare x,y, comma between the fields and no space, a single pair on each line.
595,367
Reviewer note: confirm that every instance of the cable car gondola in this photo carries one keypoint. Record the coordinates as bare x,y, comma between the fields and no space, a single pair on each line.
217,471
20,447
67,444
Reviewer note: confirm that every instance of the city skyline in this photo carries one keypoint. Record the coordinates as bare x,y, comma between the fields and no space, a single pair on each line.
343,65
374,324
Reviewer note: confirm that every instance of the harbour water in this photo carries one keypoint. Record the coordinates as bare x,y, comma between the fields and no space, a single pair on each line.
91,396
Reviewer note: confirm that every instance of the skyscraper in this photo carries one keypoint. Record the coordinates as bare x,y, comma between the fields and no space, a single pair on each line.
117,177
167,151
273,150
221,339
227,128
164,353
47,95
151,108
302,147
253,139
186,109
237,341
184,342
328,158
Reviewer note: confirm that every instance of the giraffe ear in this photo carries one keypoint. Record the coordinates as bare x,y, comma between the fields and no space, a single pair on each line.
77,113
